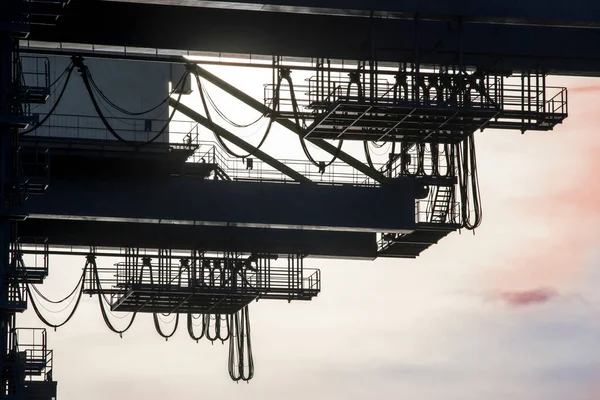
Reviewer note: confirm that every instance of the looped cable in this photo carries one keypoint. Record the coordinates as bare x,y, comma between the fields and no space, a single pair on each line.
85,76
219,331
285,74
39,314
190,327
91,260
241,359
137,113
468,181
204,94
159,329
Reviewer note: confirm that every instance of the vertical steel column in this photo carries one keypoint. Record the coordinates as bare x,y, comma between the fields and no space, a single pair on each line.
8,379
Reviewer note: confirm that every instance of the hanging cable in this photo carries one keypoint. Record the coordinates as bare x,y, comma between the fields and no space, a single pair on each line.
368,154
39,314
388,165
449,156
159,329
468,182
59,78
66,306
37,291
285,74
227,119
421,159
126,112
56,103
220,331
241,359
435,159
190,327
84,72
91,260
212,124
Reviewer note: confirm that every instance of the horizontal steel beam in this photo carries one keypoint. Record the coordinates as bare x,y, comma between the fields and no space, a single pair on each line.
77,236
190,201
557,49
532,12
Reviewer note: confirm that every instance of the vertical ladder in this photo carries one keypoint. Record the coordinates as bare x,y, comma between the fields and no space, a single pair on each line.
441,204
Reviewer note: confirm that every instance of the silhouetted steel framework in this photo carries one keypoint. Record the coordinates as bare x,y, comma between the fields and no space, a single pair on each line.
421,80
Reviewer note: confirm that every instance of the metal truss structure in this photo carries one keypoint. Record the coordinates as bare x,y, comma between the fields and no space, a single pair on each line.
421,83
201,283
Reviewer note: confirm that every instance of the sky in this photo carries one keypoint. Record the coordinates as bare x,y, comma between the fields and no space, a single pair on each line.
509,311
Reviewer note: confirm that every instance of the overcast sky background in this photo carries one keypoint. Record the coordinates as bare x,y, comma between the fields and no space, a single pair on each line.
511,312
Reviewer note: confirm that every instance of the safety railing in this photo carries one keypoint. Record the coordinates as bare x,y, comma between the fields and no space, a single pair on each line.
92,127
426,88
252,169
424,212
38,359
33,267
233,276
35,72
17,295
557,104
540,100
313,281
215,276
474,91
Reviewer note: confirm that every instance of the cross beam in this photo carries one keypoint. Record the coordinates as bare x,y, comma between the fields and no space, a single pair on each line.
286,123
278,165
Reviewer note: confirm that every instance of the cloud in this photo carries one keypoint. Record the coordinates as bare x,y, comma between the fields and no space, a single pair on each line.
527,297
563,207
585,89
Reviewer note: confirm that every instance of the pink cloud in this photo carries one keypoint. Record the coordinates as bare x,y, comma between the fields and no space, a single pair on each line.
527,297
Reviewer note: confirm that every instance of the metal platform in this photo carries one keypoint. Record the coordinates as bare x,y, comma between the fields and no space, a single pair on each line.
35,361
35,79
32,270
435,105
203,284
413,244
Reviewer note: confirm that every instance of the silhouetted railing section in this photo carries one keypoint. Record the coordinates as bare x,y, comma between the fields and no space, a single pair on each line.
525,101
92,127
257,276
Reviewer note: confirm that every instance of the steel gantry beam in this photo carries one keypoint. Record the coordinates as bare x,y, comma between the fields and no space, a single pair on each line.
509,35
286,123
532,12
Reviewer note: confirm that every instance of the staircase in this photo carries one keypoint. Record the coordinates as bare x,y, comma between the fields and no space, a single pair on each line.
220,174
441,204
432,225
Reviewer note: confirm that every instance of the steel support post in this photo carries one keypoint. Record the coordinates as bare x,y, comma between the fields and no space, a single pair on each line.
9,20
6,132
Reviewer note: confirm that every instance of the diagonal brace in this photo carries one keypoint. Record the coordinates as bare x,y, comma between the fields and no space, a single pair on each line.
281,167
292,126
